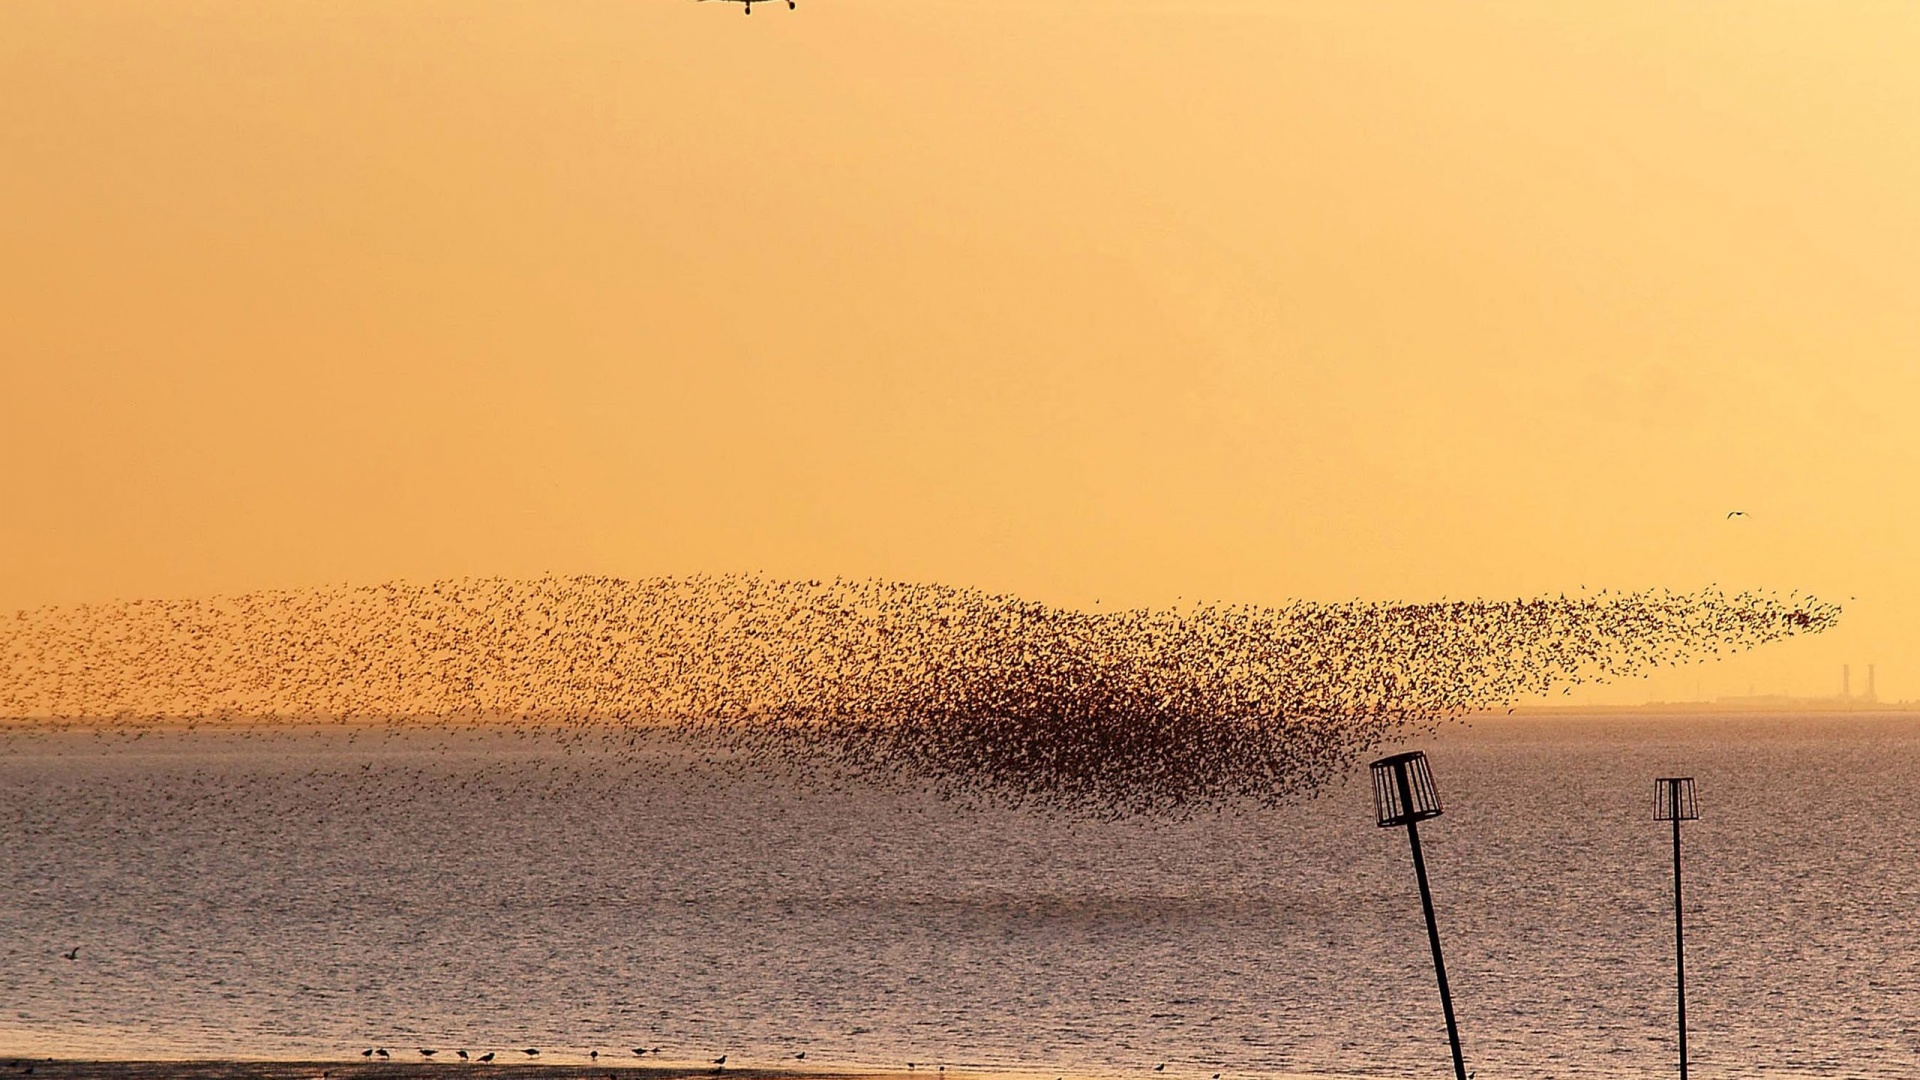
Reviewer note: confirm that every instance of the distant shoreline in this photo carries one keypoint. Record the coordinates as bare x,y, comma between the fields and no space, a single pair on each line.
1745,706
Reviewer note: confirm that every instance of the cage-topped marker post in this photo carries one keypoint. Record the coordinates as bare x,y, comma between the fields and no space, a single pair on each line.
1673,801
1403,794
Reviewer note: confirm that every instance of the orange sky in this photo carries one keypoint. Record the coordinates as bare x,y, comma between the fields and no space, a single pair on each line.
1123,301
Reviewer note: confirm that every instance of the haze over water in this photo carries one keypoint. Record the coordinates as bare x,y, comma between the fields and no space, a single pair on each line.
310,894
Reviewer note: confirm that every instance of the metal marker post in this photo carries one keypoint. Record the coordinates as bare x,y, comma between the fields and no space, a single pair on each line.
1403,794
1673,801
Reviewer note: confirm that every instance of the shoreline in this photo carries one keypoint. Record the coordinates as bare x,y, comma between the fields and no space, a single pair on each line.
344,1069
520,1067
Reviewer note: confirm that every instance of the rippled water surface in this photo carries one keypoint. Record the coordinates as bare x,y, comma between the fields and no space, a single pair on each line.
309,893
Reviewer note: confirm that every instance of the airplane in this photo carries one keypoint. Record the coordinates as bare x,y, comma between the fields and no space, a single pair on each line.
749,4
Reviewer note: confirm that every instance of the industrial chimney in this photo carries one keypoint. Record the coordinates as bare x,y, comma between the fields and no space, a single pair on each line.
1846,682
1870,694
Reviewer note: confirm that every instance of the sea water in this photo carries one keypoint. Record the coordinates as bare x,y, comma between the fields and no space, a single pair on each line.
317,892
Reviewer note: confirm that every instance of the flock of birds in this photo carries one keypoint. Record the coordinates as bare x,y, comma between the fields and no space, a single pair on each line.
427,1053
980,696
719,1063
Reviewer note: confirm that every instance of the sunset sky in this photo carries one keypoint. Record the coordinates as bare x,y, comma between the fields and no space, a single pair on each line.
1108,302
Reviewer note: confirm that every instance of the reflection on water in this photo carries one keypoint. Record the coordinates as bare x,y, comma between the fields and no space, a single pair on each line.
307,893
